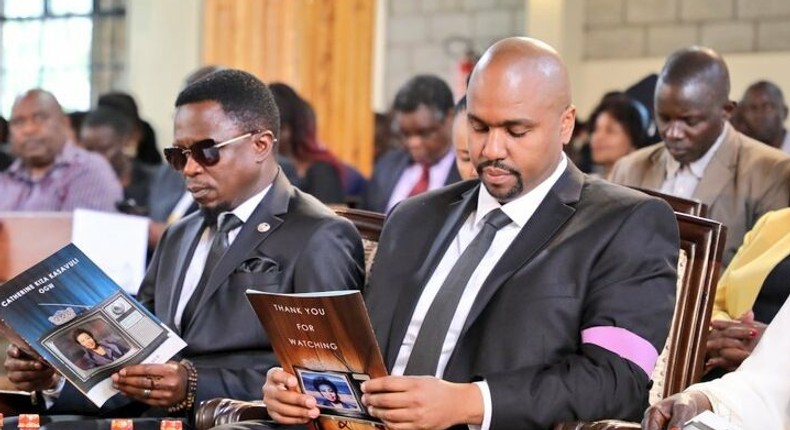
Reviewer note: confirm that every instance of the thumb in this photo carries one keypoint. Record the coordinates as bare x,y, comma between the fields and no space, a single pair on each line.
747,318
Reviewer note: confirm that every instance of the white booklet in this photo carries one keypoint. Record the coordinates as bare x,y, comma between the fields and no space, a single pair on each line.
68,312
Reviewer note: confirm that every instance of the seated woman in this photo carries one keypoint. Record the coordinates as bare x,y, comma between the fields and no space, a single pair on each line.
319,172
750,293
617,128
755,396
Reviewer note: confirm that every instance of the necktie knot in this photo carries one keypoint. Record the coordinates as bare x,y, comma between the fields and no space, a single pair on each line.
423,183
228,222
497,218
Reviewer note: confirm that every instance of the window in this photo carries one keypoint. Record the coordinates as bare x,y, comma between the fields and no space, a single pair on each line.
73,48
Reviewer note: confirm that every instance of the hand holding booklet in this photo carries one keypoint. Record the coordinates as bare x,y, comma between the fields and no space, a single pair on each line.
67,312
327,342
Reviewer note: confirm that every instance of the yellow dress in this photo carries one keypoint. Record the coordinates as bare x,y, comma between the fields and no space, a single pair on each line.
767,244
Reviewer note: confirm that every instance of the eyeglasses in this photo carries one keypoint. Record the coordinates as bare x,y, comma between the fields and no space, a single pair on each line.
204,152
421,133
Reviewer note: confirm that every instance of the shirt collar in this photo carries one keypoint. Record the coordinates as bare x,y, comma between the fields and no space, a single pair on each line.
445,161
697,167
521,209
244,211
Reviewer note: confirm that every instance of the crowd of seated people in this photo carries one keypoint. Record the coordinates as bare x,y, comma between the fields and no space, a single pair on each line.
478,317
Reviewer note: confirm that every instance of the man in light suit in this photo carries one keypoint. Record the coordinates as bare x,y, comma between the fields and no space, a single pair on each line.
702,155
283,241
565,313
424,114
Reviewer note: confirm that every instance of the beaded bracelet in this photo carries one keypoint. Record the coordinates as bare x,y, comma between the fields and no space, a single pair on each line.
192,379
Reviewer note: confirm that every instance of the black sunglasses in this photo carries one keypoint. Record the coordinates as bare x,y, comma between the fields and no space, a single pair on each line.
205,152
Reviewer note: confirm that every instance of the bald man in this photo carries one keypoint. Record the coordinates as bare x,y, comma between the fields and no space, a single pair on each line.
763,113
560,319
702,156
51,173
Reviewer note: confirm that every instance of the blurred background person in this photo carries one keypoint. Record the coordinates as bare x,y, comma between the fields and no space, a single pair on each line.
51,172
761,115
384,136
5,158
107,131
143,146
425,159
319,172
617,128
75,124
460,141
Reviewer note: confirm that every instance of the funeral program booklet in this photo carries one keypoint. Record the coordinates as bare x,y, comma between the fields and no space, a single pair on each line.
327,342
69,313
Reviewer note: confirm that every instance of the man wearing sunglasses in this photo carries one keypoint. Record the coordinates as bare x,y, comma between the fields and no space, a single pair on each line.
282,240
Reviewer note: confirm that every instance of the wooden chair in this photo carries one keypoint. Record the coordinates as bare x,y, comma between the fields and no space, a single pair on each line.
679,204
681,364
369,225
214,412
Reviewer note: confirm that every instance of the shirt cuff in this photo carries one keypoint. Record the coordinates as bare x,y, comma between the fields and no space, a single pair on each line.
718,406
487,408
52,394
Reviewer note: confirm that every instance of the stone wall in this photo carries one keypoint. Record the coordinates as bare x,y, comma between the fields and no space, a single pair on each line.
418,29
654,28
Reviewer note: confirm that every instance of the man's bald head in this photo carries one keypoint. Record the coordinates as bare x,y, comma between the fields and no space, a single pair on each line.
39,129
517,59
519,116
692,102
763,112
699,66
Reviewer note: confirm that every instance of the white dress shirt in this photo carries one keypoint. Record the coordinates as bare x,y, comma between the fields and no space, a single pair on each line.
520,211
198,262
682,180
437,176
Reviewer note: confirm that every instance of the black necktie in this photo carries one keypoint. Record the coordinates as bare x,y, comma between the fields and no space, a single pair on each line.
428,347
219,245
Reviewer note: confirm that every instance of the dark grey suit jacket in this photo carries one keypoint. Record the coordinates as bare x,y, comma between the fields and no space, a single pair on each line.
306,248
386,173
593,255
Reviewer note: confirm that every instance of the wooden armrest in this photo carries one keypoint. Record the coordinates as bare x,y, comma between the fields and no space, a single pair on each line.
214,412
598,425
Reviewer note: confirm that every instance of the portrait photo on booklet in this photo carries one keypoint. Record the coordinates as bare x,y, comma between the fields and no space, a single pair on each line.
338,391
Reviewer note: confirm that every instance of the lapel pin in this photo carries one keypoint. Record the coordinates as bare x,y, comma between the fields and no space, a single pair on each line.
264,227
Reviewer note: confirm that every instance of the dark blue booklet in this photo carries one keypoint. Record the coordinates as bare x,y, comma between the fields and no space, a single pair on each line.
68,312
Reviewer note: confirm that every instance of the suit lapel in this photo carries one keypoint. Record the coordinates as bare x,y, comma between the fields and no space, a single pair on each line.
451,219
187,244
275,203
551,215
655,174
721,169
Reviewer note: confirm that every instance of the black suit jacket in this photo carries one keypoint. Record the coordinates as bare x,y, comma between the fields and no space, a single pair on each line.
305,248
386,173
594,254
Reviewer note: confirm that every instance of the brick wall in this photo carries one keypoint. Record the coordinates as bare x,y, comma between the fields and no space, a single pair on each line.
417,29
648,28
